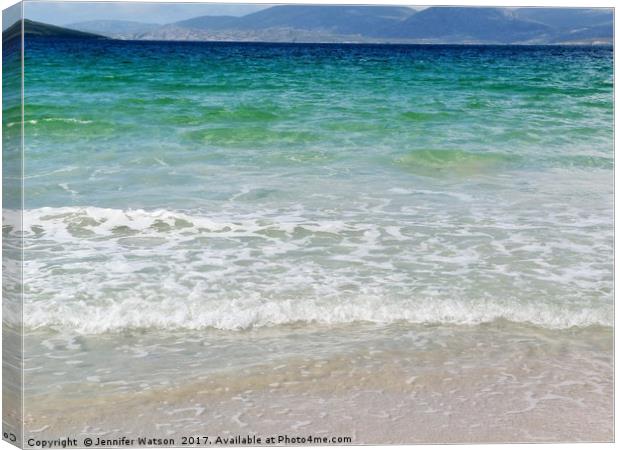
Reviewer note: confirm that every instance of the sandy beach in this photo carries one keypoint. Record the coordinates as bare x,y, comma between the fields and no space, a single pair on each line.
494,383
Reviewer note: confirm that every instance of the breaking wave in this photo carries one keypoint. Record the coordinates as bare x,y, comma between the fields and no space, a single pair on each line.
96,270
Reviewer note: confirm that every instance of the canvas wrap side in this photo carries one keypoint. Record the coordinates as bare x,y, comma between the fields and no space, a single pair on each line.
12,242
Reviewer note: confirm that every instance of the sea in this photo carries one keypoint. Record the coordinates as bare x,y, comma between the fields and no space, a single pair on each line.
321,214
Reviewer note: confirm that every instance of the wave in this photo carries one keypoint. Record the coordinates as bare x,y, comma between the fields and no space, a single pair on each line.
67,120
250,136
436,161
420,116
135,313
79,222
96,270
462,162
72,120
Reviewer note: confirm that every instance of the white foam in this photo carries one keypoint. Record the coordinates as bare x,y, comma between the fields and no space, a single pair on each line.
96,270
134,312
67,120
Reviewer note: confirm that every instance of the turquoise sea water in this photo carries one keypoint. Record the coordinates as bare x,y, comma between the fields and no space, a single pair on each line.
375,241
175,186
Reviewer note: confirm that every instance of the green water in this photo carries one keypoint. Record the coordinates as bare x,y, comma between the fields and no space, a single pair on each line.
205,185
249,235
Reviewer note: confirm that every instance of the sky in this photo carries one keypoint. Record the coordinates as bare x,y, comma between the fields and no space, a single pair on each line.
64,13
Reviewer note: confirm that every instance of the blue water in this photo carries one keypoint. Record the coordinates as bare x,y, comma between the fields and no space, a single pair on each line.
176,186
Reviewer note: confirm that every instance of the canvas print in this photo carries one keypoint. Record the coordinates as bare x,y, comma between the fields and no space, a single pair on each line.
229,224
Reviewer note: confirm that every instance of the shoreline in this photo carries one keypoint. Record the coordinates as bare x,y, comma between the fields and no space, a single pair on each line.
496,383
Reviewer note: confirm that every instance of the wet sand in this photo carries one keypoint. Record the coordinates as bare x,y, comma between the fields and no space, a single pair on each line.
492,383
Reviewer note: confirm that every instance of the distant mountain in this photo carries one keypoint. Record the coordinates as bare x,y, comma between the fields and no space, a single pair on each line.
32,28
475,24
602,34
176,33
114,28
573,25
209,23
567,18
363,20
339,20
326,23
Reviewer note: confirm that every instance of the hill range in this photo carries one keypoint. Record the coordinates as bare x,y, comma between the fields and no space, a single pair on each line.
372,24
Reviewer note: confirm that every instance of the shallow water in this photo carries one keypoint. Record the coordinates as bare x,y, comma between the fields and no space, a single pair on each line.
377,384
180,195
235,185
